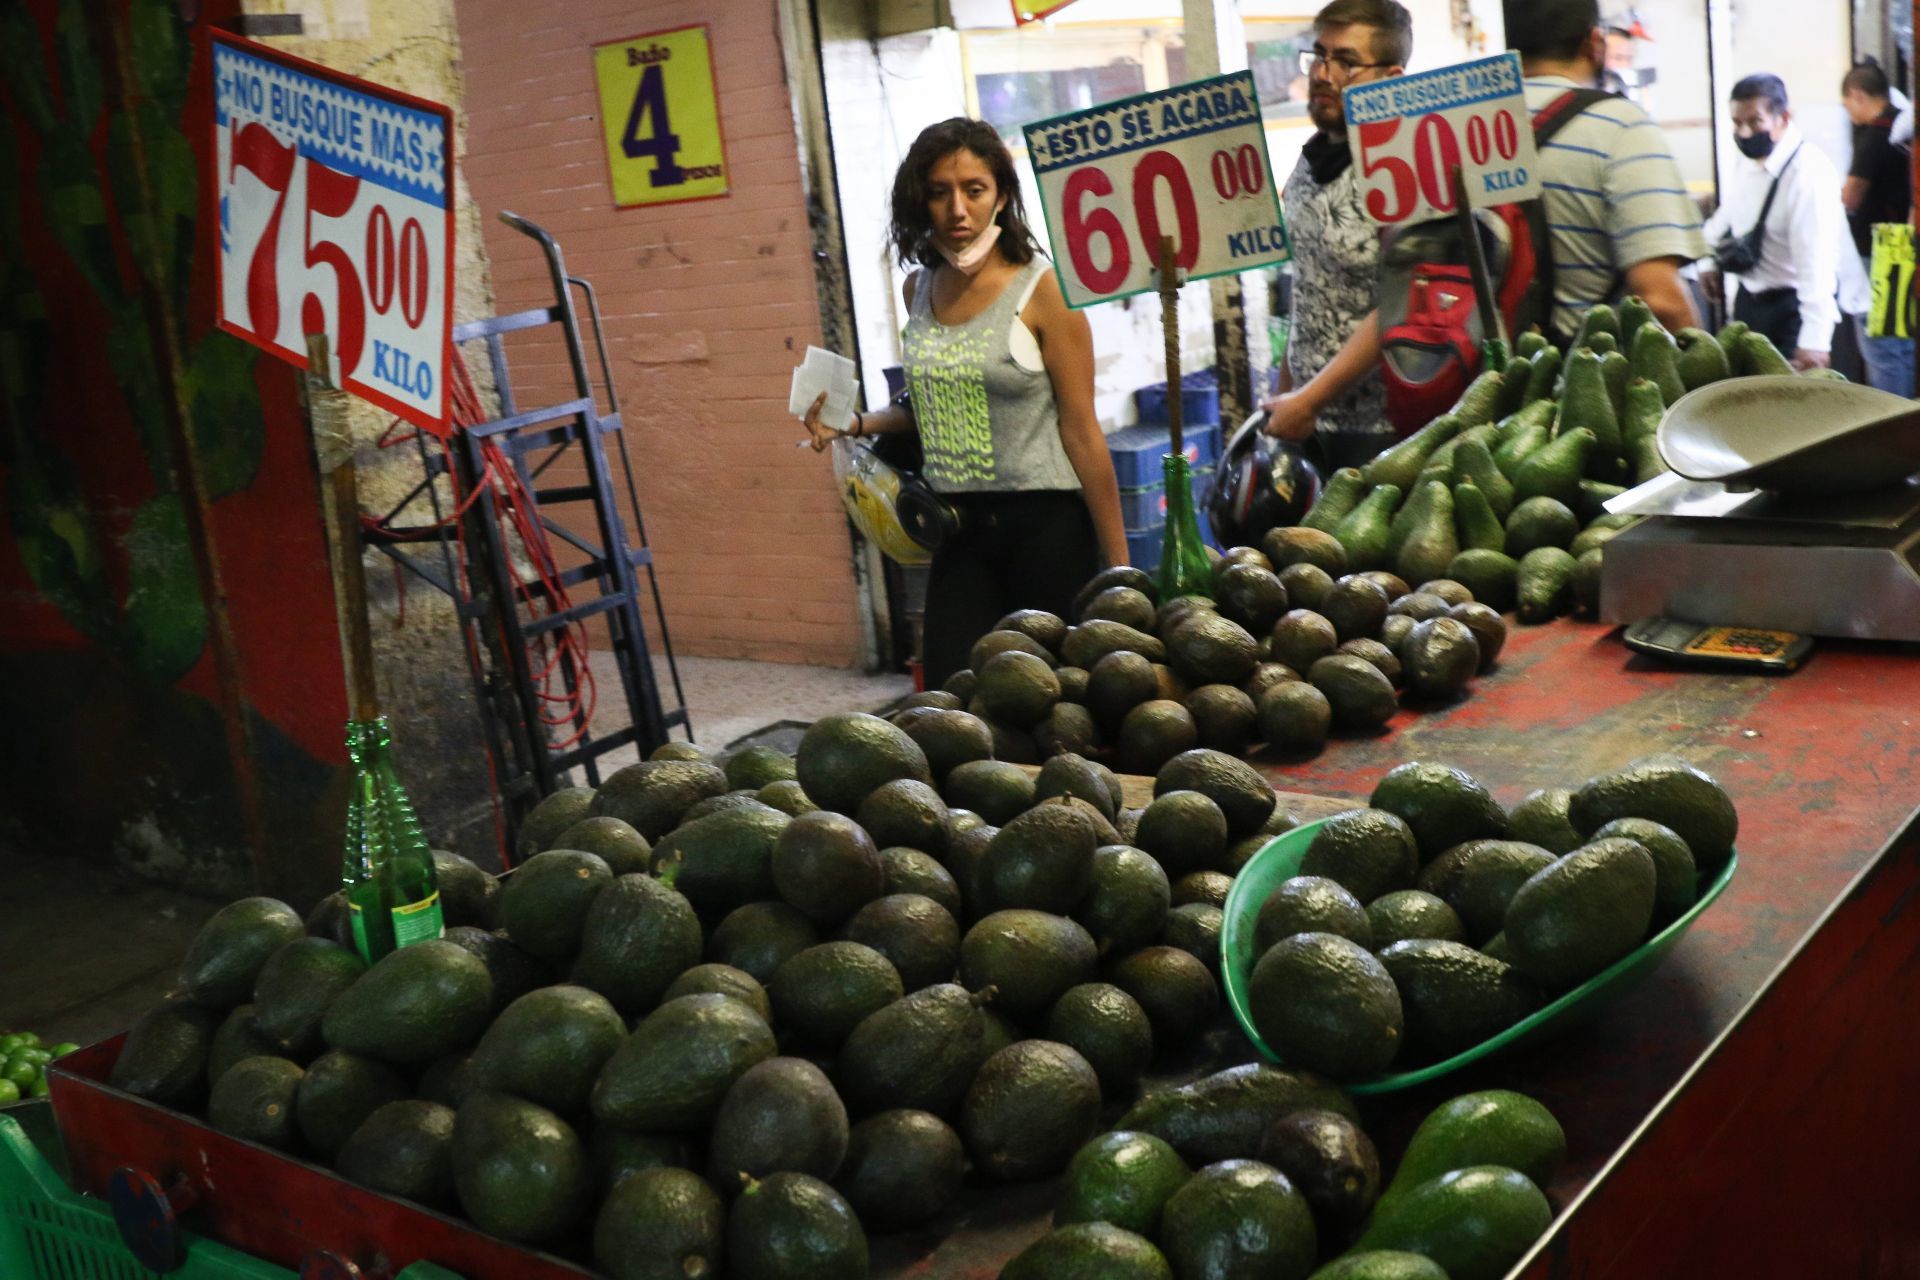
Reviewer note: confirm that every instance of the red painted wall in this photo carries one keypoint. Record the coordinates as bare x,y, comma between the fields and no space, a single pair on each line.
709,306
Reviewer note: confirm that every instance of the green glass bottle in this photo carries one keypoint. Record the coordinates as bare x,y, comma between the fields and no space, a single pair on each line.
1184,567
392,894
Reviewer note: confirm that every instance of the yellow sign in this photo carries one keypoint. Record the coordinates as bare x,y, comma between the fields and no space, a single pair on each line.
1893,263
661,117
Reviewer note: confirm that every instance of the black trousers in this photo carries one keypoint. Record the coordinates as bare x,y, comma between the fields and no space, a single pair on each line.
1031,550
1774,312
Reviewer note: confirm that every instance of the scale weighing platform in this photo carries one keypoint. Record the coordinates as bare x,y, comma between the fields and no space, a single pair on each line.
1780,513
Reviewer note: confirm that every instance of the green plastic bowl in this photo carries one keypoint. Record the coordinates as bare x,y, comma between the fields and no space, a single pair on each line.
1280,861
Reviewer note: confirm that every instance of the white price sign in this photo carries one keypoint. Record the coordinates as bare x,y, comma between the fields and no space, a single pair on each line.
336,217
1189,162
1410,133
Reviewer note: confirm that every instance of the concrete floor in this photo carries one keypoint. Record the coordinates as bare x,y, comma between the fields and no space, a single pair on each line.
85,949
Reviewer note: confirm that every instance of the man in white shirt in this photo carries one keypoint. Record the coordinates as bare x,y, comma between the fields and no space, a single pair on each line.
1790,293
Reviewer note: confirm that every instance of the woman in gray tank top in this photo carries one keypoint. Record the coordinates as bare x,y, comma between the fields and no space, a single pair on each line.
999,375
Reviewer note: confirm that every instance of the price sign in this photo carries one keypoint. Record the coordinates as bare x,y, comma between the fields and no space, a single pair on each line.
661,118
1189,162
1408,134
336,217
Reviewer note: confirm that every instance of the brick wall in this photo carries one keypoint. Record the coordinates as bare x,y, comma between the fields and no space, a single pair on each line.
708,307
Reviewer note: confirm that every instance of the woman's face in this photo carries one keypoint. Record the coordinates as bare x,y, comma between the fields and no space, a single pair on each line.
962,198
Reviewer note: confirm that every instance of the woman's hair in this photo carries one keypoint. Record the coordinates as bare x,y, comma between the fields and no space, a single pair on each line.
912,227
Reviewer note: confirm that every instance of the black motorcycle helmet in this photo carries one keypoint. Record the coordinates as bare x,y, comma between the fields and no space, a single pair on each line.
1261,484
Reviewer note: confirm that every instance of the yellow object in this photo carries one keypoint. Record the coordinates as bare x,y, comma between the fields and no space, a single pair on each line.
1891,315
661,117
870,490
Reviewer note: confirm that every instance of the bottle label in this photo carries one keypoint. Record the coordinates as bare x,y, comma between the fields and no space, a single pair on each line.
359,932
418,921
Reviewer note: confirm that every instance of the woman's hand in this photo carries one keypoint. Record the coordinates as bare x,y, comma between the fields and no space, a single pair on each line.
823,435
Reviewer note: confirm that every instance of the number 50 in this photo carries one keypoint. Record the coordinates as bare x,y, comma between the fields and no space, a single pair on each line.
1084,223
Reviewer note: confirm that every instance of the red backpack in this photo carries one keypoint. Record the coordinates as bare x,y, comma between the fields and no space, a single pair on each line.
1430,331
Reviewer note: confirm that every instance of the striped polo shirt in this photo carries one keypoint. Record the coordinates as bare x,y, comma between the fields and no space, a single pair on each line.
1614,198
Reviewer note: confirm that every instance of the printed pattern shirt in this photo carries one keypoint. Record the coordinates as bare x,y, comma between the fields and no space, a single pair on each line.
1336,273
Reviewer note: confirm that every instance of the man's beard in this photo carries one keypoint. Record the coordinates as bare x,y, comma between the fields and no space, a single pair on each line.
1328,116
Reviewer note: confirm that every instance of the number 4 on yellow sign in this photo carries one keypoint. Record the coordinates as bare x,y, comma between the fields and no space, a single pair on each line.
660,116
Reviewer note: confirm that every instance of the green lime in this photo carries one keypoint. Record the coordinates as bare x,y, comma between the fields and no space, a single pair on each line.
38,1057
64,1048
19,1073
38,1089
28,1039
9,1092
11,1041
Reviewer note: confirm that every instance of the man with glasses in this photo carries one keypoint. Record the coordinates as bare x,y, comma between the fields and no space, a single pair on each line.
1330,382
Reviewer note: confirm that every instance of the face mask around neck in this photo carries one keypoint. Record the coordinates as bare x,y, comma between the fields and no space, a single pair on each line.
970,259
1755,146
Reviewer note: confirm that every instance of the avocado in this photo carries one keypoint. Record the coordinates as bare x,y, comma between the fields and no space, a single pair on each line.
1615,371
681,751
1656,357
1541,819
519,1170
640,934
1412,913
753,767
759,937
902,1167
910,871
1495,1126
1675,877
1453,996
1303,637
1030,958
1667,790
1554,469
1544,584
1209,887
661,1224
652,796
1070,774
1380,1264
1123,1178
781,1115
1327,1004
1475,524
1306,584
449,1079
1108,1028
1177,991
1360,695
1489,574
549,1046
1127,899
1068,729
544,903
1600,318
721,979
1243,795
1645,459
1030,1107
1363,534
1431,540
1344,490
1702,360
337,1094
624,850
1310,904
918,936
546,820
1124,605
1540,522
792,1226
254,1101
235,1038
824,992
1042,860
1195,929
1091,641
1517,448
618,1152
1355,606
1121,575
1183,831
1474,1222
1153,733
998,641
226,956
842,758
1572,919
826,867
1210,649
1252,597
466,892
404,1149
1382,659
1439,656
790,798
1331,1162
1399,464
1478,879
672,1072
1088,1251
1368,852
295,986
719,804
994,789
1583,587
1017,689
1543,375
949,739
1048,628
1239,1218
919,1052
965,853
415,1004
1224,1115
1488,628
1645,408
1223,718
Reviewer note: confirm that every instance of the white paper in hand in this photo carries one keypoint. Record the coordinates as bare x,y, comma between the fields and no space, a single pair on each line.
836,375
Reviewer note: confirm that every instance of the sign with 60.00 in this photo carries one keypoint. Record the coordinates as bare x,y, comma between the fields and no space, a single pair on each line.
1190,163
336,217
660,117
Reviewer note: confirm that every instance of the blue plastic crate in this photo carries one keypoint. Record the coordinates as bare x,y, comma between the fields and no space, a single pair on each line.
1137,452
1143,549
1146,507
1199,400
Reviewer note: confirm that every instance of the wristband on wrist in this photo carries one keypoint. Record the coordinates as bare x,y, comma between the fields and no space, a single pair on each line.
859,425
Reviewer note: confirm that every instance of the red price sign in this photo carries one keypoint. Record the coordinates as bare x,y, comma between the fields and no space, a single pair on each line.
336,217
1409,135
1190,163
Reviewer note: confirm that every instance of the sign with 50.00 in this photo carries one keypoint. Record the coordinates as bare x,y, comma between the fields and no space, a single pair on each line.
1410,133
1189,162
661,117
336,217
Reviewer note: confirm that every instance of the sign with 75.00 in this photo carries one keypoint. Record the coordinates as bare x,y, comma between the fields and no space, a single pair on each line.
661,118
336,217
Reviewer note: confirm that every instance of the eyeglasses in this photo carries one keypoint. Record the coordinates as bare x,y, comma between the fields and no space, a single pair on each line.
1340,67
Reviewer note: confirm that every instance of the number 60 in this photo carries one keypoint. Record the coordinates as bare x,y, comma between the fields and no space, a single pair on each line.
1084,223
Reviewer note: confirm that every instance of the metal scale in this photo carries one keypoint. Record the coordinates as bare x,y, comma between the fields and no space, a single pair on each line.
1793,504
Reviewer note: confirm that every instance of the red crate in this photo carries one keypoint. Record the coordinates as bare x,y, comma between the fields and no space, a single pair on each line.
259,1200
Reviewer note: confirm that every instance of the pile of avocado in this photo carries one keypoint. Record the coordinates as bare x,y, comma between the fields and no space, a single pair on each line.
725,1018
1505,491
1252,1174
1289,648
1433,919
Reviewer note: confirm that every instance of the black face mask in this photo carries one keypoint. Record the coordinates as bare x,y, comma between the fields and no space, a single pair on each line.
1755,146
